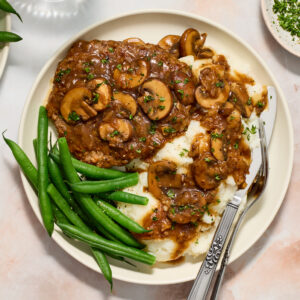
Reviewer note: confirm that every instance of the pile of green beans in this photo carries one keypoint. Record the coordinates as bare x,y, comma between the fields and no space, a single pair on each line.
79,215
4,35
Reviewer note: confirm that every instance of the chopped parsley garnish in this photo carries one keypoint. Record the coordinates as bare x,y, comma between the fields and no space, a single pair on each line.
206,159
114,133
157,178
249,131
260,104
111,50
218,201
155,143
99,84
186,80
162,99
172,210
154,218
169,130
148,98
236,145
220,84
181,92
90,76
212,150
171,194
215,135
249,102
160,63
61,73
152,128
178,81
119,66
87,70
138,150
130,70
130,117
232,118
288,13
95,99
217,177
234,100
161,107
174,119
73,116
142,139
104,61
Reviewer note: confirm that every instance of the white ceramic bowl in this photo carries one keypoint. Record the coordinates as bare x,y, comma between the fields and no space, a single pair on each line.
5,24
282,36
151,26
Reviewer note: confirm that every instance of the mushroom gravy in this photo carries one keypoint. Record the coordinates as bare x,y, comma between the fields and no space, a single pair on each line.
118,101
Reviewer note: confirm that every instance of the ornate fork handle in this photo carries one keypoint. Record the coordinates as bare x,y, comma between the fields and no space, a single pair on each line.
209,265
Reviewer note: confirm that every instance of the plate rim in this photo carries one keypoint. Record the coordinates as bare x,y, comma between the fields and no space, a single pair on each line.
178,13
5,49
272,31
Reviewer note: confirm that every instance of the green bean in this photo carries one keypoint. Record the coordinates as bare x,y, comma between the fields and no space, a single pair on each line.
95,187
63,205
9,37
42,158
88,204
32,174
120,218
98,242
58,215
25,164
124,197
5,6
103,264
58,181
88,170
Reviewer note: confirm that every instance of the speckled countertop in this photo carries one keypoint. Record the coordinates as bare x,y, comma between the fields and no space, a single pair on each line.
34,267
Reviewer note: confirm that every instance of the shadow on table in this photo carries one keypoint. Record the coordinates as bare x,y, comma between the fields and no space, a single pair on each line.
285,58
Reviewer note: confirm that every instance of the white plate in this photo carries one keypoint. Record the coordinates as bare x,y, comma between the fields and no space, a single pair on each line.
5,21
151,26
282,36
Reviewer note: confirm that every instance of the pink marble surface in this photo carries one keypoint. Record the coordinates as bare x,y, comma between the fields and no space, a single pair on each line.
33,267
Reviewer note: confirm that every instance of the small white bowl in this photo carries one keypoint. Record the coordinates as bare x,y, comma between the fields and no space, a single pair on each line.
283,37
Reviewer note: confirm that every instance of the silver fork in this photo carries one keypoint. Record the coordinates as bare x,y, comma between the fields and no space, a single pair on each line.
257,192
207,270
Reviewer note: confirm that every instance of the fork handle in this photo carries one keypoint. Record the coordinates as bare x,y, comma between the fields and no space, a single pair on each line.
202,283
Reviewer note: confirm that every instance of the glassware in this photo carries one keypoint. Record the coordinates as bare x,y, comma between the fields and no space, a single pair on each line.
48,8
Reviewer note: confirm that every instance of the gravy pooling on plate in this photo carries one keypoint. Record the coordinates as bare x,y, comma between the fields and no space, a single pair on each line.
118,101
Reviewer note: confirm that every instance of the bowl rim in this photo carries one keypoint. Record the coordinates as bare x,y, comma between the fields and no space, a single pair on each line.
178,13
273,32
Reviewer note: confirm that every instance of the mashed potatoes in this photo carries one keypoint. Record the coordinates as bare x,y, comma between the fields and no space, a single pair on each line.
177,151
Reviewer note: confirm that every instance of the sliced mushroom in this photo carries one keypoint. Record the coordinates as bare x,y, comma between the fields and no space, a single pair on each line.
184,87
241,99
234,120
200,145
170,43
205,53
191,42
74,102
214,89
162,174
156,101
117,131
135,75
102,93
226,109
216,140
127,102
134,40
208,172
